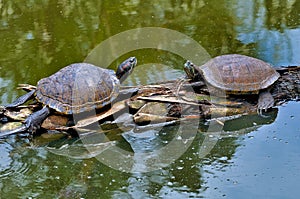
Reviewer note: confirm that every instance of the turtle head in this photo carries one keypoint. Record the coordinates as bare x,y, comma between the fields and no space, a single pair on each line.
125,68
190,70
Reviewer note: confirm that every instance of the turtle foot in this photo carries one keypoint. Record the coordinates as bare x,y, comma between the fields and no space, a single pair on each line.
265,101
34,121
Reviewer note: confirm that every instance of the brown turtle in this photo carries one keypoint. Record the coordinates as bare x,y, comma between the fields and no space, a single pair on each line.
76,88
237,74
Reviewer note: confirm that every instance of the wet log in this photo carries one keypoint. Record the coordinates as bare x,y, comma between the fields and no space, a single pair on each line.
195,99
287,87
175,100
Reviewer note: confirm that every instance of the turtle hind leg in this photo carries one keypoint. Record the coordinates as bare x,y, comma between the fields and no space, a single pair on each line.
31,124
34,121
265,101
21,100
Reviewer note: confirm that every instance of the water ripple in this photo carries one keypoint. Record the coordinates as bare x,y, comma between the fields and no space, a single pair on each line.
11,163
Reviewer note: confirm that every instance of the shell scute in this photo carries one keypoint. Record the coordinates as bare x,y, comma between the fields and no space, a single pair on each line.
238,73
77,88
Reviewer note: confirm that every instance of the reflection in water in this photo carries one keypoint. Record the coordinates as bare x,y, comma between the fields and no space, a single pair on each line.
37,43
38,39
183,178
150,74
251,122
268,25
4,85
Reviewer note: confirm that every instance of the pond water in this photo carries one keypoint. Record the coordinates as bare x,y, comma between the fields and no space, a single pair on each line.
251,157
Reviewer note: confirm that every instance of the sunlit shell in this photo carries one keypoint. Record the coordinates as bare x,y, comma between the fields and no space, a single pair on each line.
77,88
238,73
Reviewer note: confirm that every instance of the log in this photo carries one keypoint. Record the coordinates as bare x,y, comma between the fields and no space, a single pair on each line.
184,100
286,88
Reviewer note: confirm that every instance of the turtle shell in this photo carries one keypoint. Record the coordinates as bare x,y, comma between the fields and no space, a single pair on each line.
238,74
78,88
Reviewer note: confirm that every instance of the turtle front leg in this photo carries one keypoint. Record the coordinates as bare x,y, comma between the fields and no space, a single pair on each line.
34,121
21,100
265,101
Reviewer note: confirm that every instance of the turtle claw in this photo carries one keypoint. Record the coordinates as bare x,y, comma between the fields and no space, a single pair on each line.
265,101
260,113
34,121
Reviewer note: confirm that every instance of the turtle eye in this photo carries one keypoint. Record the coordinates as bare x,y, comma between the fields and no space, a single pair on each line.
132,59
188,64
191,64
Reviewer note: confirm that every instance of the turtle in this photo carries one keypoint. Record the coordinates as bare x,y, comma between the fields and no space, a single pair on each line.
237,74
76,88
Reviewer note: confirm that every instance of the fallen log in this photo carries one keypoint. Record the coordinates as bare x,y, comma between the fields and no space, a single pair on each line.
196,98
178,99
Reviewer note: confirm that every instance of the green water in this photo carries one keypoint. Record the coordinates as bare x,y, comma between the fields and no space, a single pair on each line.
253,157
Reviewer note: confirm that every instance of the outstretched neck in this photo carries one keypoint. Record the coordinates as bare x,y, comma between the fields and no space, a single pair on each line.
125,68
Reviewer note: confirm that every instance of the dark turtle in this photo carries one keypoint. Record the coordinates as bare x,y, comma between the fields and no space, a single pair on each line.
237,74
74,89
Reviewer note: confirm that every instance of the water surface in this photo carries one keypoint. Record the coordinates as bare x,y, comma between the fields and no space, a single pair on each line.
252,158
